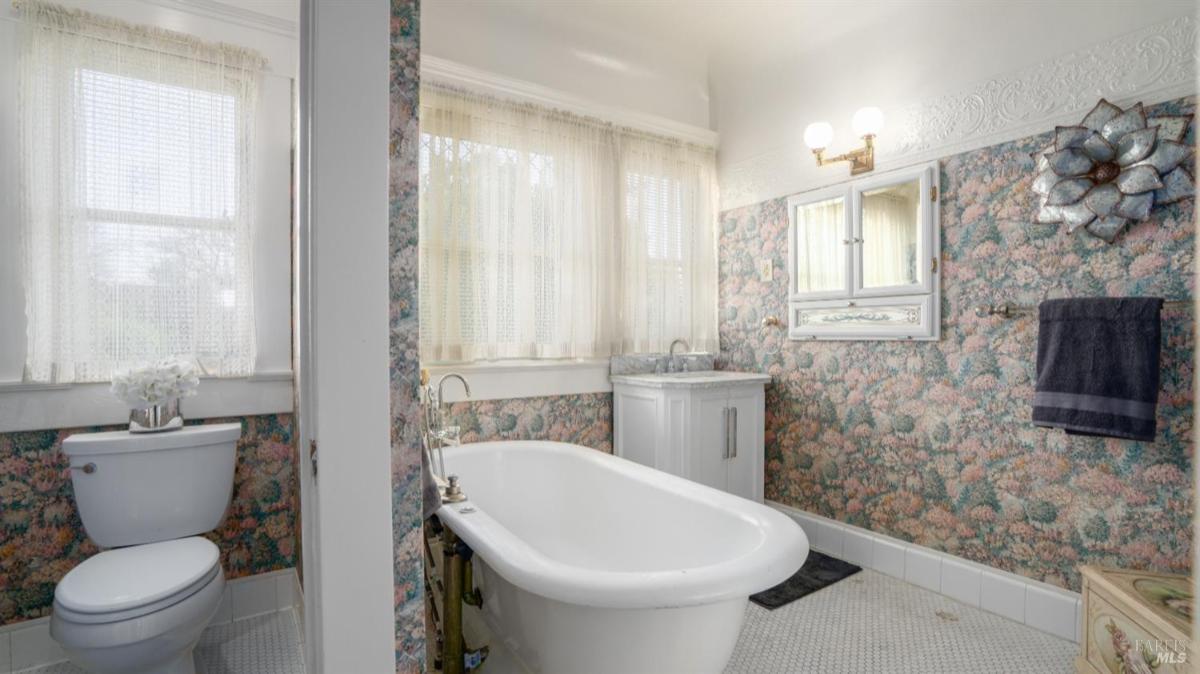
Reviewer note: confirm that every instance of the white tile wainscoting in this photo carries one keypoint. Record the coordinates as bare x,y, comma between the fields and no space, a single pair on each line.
27,644
1039,605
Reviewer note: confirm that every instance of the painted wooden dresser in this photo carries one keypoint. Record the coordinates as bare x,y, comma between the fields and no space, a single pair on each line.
1135,621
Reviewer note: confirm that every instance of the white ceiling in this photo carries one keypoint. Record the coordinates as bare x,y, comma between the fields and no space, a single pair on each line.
735,33
930,44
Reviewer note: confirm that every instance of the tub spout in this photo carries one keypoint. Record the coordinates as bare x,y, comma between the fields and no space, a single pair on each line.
442,384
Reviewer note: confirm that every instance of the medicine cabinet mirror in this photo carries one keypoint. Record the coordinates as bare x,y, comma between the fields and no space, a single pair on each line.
864,258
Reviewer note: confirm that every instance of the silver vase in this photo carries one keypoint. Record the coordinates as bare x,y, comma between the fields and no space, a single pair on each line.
156,418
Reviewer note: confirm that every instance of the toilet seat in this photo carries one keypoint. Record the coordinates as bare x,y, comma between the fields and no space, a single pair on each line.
127,583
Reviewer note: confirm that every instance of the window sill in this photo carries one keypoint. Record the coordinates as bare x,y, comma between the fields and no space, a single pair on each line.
33,406
501,380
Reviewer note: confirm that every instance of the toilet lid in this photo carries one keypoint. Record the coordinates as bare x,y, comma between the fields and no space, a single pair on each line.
124,578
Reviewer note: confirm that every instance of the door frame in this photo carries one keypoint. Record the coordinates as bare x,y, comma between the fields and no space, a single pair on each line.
342,300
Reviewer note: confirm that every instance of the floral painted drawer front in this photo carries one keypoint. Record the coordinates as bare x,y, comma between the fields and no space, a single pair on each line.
1119,645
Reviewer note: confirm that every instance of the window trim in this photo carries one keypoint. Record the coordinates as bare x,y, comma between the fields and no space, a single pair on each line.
38,406
506,379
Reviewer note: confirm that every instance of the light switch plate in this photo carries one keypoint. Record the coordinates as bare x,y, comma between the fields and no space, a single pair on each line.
766,270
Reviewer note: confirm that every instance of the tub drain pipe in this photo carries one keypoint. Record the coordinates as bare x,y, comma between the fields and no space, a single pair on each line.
471,595
458,589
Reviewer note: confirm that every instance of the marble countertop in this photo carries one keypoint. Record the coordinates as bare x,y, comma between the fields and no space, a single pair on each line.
701,379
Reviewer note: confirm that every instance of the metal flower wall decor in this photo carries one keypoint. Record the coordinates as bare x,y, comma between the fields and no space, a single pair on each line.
1112,168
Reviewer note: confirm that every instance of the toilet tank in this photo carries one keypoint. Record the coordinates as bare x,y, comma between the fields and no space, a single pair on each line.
134,488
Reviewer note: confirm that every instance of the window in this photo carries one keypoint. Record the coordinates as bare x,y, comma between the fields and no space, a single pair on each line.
545,235
137,155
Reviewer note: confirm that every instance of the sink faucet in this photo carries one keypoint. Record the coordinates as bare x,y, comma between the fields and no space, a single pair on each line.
671,353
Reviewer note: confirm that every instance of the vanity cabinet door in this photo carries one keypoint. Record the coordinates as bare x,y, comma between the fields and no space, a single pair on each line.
744,468
707,462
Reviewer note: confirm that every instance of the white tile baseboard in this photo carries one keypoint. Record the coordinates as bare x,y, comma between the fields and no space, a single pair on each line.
28,645
1039,605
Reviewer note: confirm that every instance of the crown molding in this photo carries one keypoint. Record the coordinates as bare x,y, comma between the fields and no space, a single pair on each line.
449,72
1153,64
232,14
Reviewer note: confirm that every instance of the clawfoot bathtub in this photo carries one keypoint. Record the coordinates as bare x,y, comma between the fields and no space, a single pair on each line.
589,563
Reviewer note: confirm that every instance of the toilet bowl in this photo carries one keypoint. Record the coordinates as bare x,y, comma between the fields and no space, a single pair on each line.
140,606
139,610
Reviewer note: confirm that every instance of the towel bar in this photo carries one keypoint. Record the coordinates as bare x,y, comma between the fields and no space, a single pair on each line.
1007,310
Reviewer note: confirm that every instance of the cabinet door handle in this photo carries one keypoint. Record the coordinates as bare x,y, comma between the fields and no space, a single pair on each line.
725,424
732,441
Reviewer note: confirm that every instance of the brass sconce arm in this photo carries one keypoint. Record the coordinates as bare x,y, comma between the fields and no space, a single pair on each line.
861,159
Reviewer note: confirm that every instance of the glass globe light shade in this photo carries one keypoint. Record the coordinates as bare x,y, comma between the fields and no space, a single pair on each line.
817,135
867,121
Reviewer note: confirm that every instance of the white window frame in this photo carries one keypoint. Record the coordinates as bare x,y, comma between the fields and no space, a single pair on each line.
922,299
34,406
502,380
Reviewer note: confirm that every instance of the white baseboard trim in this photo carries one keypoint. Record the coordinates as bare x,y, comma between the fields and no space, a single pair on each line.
1031,602
27,644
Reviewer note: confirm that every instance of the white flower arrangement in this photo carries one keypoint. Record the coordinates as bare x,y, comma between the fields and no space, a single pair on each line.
156,384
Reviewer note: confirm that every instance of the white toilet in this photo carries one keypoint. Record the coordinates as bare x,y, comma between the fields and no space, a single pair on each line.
139,606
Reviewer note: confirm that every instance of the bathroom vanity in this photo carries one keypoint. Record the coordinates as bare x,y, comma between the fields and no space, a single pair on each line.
706,426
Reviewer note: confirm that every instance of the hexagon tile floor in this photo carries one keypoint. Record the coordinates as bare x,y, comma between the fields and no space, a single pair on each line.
874,623
868,622
267,644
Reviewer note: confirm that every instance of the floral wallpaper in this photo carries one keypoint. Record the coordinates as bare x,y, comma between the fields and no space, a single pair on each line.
583,419
41,537
932,442
402,240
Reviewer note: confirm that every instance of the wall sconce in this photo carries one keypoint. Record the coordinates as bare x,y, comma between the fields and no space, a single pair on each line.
866,123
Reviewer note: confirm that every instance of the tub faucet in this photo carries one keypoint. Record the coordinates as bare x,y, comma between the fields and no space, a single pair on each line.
435,431
671,353
452,375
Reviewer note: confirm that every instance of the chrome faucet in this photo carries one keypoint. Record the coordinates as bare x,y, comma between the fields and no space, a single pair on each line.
435,433
442,383
671,353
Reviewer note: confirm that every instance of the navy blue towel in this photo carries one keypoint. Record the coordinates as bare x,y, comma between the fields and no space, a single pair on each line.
1097,366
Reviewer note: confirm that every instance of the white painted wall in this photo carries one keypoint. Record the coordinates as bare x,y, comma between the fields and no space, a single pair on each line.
896,55
581,58
344,336
24,407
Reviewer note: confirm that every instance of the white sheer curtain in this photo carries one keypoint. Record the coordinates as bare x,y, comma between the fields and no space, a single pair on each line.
136,154
549,235
889,224
668,243
517,232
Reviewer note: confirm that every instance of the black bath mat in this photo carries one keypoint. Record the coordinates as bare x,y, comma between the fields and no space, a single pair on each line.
818,571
